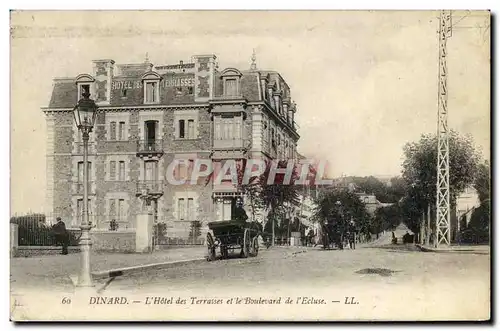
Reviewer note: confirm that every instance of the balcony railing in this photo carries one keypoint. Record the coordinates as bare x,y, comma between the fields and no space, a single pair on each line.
228,97
150,187
223,144
150,146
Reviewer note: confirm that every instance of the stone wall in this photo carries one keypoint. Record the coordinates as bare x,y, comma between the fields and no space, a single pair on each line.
28,251
113,241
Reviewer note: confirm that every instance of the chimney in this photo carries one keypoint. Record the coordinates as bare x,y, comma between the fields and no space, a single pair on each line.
103,73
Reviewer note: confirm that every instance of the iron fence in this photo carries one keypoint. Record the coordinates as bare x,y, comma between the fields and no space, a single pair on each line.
150,186
36,229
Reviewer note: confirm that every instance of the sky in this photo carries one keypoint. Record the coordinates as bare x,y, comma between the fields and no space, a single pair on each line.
365,83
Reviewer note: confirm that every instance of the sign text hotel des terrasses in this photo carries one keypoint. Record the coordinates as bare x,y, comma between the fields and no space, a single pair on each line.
136,84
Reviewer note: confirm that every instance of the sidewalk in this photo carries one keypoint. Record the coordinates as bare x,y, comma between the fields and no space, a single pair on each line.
59,268
471,249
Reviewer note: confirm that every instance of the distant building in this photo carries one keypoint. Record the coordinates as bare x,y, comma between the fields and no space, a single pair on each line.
370,201
467,201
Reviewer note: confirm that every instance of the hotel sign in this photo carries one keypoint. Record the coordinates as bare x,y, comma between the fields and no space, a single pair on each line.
167,82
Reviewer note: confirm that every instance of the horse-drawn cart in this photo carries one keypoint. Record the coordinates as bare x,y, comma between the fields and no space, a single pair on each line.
330,237
231,236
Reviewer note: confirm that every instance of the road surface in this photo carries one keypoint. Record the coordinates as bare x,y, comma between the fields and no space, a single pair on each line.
366,283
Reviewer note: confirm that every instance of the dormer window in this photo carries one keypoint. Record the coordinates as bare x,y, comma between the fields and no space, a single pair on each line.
151,95
231,89
84,90
231,82
85,85
151,83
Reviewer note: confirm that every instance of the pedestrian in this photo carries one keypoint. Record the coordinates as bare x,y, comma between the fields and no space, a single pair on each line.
61,235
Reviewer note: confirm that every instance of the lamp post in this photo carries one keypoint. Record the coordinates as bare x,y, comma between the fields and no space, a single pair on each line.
85,114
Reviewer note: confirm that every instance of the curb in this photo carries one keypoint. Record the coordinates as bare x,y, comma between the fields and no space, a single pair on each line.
433,250
130,270
425,249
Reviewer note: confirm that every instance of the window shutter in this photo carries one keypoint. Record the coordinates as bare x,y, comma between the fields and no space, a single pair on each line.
122,170
112,131
112,170
181,128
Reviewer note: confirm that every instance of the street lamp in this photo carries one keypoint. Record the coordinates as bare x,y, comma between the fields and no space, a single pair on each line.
85,114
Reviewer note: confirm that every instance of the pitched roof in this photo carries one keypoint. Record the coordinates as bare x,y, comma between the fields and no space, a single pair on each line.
64,94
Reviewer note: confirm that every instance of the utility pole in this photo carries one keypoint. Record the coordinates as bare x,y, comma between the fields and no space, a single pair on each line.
443,231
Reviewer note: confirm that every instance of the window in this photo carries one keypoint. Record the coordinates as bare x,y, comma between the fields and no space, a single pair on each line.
182,209
191,129
190,90
151,133
150,171
123,93
226,211
117,209
183,170
237,129
181,128
190,206
122,170
112,130
121,131
231,88
121,209
112,207
186,128
151,92
227,128
112,170
79,210
84,89
80,171
218,132
227,132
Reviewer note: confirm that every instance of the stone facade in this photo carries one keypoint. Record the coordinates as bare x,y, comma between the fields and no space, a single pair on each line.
150,116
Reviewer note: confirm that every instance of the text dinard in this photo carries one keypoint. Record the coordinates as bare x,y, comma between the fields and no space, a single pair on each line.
159,300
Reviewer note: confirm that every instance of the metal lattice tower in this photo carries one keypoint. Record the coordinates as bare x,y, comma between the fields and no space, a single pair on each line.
443,226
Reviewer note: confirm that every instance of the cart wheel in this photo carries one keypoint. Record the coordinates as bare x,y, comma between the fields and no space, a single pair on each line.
211,247
251,250
246,244
255,246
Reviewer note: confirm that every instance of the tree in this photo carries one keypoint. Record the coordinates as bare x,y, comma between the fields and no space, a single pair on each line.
420,171
482,182
277,197
386,219
481,216
341,214
389,192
